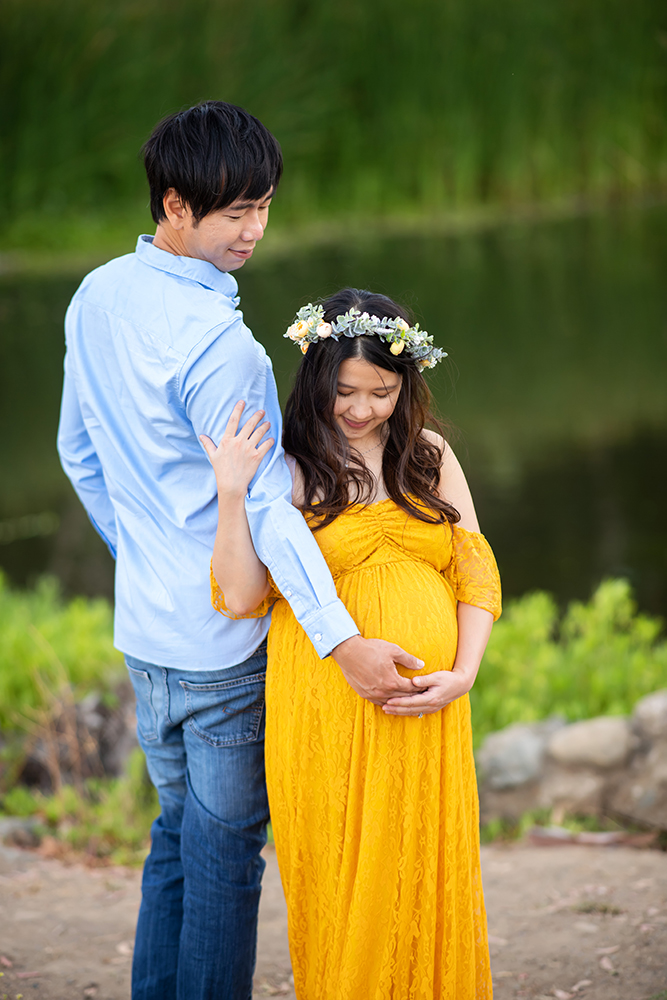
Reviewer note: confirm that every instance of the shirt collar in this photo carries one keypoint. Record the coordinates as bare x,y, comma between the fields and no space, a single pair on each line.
201,271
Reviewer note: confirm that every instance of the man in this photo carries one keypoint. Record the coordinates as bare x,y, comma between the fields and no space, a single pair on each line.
157,354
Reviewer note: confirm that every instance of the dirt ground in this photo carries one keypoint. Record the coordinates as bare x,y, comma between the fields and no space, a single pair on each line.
564,922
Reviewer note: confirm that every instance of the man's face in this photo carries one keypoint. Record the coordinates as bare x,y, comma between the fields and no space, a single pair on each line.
227,237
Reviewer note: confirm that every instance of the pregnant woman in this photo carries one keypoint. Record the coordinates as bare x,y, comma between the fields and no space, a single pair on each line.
374,807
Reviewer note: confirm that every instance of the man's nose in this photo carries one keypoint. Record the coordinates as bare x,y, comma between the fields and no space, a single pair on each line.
254,228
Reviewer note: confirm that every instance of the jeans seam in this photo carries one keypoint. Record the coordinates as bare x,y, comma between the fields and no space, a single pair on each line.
167,698
222,685
154,733
215,741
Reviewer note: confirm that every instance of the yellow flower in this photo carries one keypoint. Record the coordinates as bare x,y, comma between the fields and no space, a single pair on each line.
397,347
301,329
304,347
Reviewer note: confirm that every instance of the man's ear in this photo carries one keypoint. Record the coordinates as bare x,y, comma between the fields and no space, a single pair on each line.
176,210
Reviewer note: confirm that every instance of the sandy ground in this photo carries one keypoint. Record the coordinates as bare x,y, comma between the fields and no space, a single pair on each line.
567,921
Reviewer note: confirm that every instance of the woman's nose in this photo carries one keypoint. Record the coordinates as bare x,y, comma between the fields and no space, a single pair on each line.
360,411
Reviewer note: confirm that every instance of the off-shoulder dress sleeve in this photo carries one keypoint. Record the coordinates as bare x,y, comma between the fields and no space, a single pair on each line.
218,600
473,573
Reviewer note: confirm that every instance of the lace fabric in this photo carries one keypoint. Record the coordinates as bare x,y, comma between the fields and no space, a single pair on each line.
375,817
219,603
473,572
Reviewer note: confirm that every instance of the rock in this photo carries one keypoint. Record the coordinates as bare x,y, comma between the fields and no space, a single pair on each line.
604,742
18,832
508,804
119,735
106,736
649,719
513,756
641,793
577,792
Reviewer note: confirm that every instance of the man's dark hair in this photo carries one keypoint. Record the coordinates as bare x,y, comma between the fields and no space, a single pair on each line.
213,154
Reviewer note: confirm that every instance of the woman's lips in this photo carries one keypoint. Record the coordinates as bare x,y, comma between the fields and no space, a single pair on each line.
356,427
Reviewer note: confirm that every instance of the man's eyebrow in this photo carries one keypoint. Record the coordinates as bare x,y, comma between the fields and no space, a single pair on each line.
240,205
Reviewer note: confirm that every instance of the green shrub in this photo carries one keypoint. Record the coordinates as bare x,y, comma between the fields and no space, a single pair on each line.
598,660
45,642
19,801
110,819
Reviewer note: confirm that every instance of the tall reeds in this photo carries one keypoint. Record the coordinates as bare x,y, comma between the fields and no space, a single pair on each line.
380,106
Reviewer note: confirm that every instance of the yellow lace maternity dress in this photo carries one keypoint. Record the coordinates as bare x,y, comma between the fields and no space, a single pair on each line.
375,817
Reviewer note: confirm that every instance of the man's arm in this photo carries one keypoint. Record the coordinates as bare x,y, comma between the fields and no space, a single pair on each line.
231,369
82,465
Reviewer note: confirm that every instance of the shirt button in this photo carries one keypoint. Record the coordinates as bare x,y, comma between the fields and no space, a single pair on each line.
288,593
318,637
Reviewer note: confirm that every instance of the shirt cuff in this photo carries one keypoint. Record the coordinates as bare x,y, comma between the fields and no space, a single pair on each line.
328,626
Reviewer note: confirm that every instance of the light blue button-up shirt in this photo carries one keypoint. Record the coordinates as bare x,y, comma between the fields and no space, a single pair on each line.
157,354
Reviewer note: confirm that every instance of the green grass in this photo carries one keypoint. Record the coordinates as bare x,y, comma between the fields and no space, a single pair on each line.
381,107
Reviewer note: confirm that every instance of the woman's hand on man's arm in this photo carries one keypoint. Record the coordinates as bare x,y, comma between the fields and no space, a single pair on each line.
239,573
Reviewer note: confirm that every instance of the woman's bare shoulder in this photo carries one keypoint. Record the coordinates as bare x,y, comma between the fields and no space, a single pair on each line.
297,480
437,439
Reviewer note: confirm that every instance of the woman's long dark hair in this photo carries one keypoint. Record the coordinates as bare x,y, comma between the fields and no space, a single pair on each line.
335,477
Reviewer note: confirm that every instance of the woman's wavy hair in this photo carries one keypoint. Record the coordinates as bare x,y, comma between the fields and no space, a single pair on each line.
335,477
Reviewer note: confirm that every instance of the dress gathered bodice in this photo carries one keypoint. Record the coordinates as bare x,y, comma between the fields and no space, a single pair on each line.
381,533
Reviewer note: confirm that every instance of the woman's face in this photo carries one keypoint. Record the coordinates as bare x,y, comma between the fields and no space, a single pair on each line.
366,397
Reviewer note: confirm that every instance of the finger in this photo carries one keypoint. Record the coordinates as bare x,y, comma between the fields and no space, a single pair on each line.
259,432
250,424
427,710
418,701
208,445
233,422
406,659
265,448
401,688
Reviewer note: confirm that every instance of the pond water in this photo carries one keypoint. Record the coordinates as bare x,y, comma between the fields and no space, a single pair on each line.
556,388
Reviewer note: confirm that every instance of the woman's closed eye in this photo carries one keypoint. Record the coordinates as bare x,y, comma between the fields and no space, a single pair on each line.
378,395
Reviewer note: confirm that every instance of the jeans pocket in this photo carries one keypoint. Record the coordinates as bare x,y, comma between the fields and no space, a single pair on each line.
226,713
146,714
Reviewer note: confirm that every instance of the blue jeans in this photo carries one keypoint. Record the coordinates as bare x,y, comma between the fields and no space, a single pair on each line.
203,736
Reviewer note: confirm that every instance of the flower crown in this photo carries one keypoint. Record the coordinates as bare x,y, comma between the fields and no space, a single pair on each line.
309,327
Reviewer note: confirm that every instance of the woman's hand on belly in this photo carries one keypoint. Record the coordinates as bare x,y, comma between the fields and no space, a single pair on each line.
437,690
444,686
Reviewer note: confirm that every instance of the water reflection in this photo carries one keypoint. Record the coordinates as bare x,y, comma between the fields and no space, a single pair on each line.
558,340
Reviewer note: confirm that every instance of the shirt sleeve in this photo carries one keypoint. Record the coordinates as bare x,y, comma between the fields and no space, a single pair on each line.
82,465
234,366
473,573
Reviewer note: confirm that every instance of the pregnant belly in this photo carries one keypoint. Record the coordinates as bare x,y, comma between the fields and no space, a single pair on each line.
408,603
